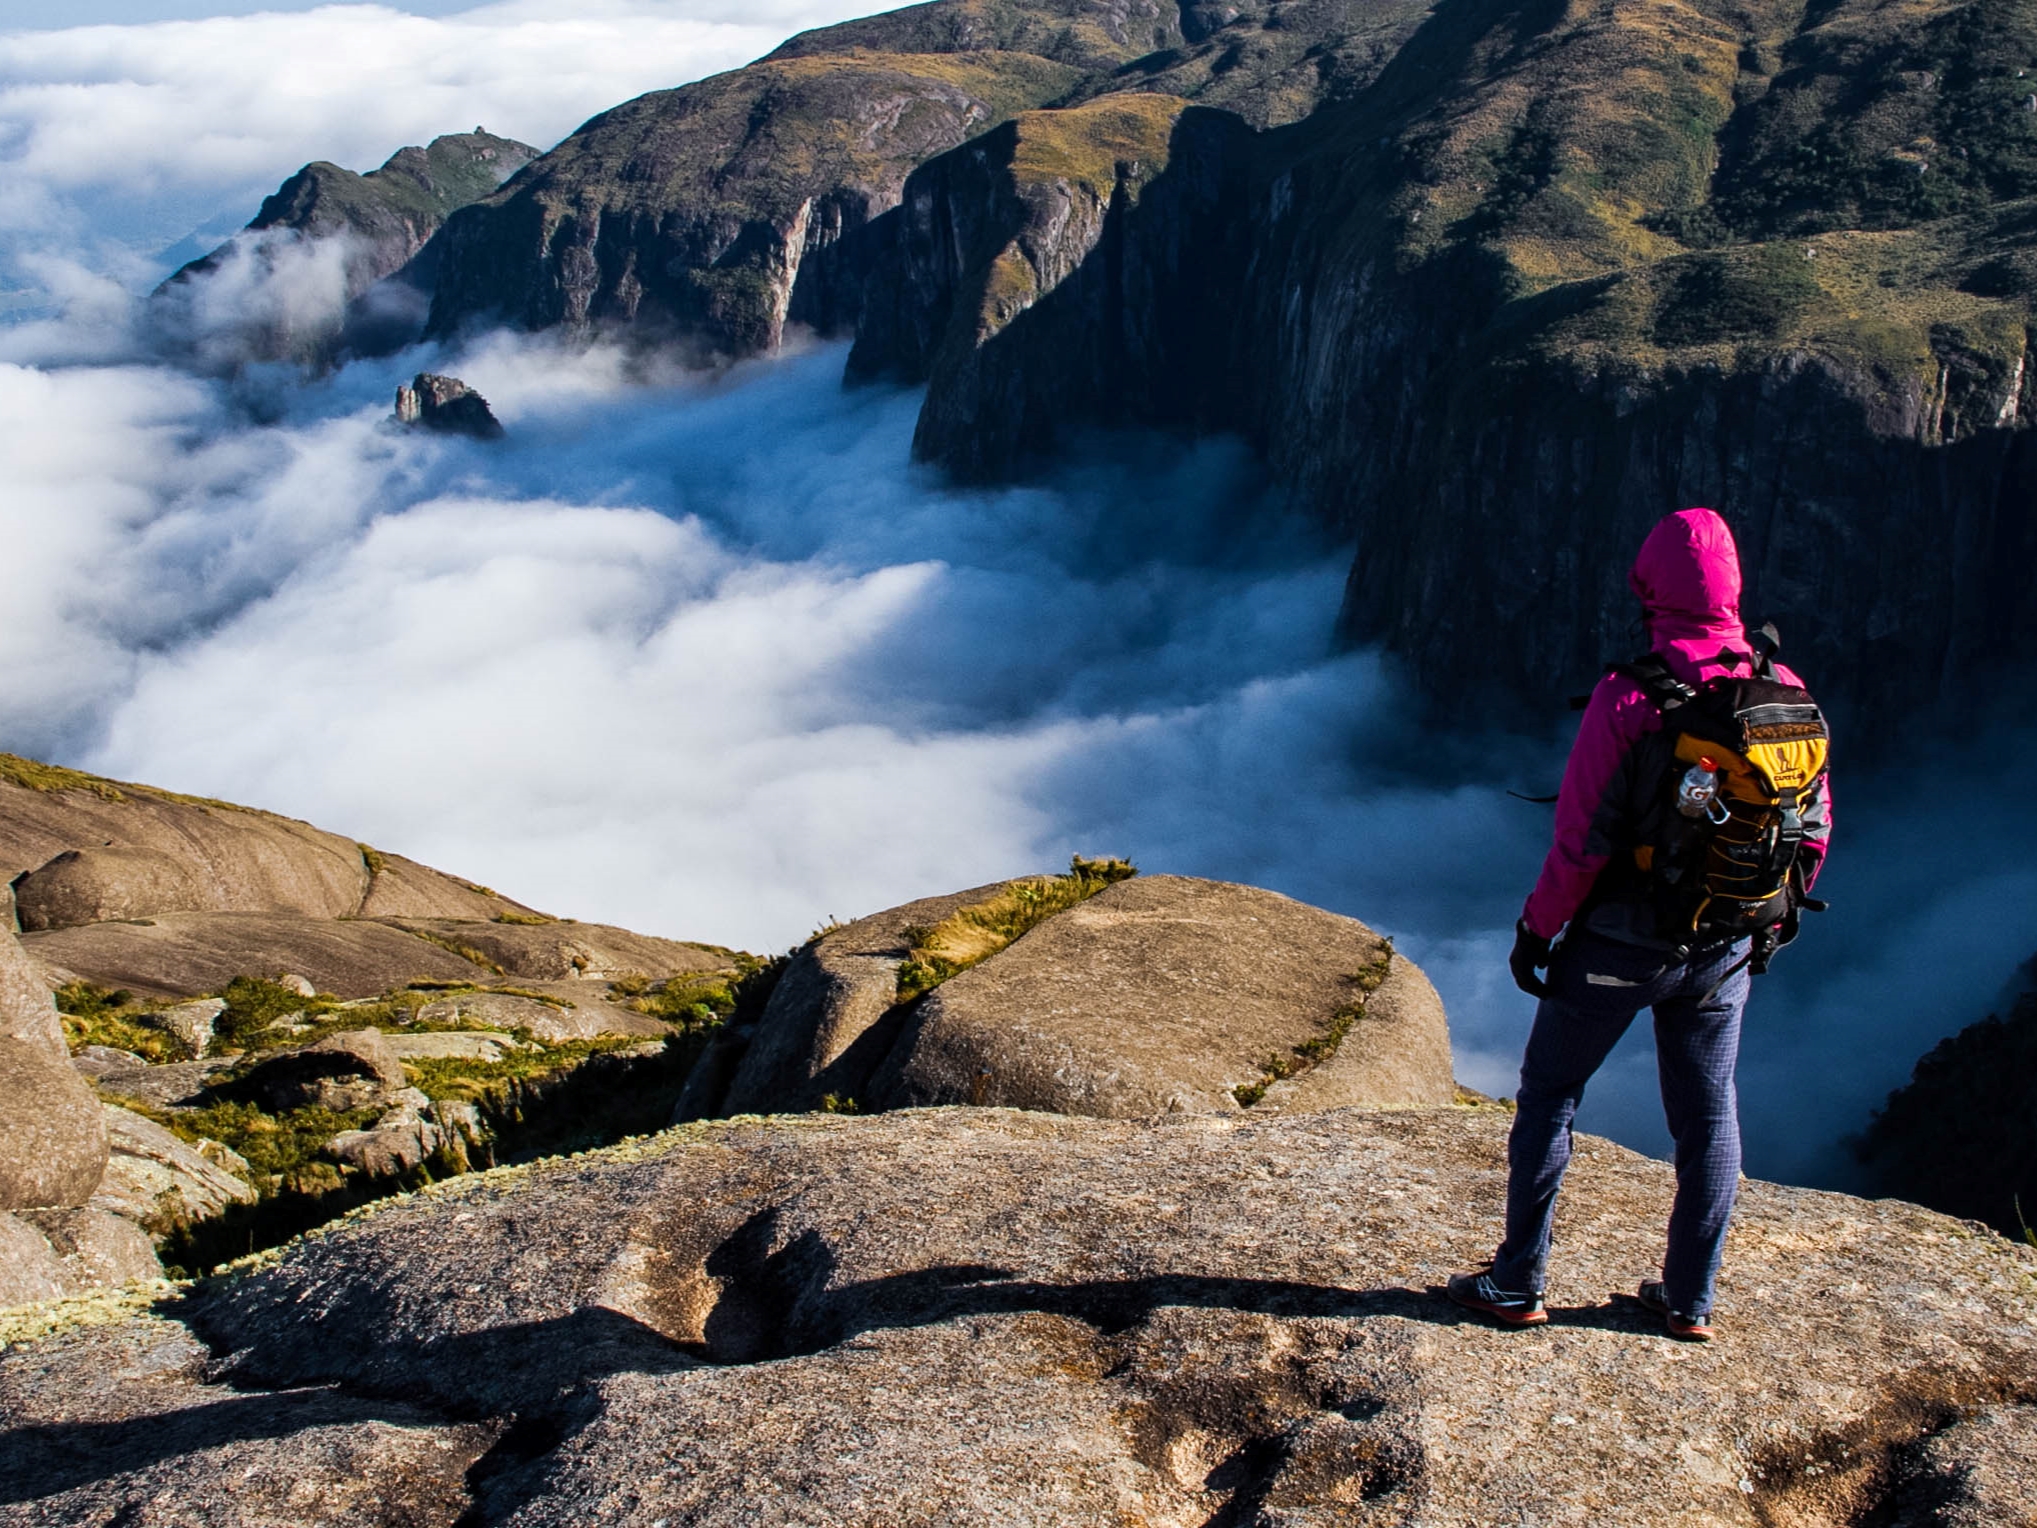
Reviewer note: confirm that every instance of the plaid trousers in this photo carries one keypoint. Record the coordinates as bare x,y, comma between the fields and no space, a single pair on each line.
1596,987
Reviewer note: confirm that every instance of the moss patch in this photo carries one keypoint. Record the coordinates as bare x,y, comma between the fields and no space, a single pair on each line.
976,933
1322,1045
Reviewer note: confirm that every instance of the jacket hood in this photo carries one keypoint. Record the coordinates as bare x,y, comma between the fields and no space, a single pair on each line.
1688,579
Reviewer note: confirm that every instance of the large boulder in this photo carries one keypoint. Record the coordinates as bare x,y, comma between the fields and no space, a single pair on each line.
52,1139
966,1315
1165,994
157,1180
49,1254
1160,994
348,1070
811,1041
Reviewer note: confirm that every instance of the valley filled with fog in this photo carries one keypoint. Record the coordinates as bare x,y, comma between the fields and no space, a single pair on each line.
709,657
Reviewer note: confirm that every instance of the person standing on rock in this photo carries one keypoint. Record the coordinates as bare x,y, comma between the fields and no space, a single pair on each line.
1634,769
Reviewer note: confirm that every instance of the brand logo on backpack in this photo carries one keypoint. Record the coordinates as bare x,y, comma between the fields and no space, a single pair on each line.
1740,764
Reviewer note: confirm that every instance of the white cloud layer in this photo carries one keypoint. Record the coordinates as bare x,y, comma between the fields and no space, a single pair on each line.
115,141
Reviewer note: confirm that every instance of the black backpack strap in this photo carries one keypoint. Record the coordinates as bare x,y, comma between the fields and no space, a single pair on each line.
1766,642
1652,672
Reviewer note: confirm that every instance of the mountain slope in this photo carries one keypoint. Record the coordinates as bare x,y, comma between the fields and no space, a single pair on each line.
322,242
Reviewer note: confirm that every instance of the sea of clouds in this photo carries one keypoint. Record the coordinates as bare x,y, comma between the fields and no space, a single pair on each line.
710,657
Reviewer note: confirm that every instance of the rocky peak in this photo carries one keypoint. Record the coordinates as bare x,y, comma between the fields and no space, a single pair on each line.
301,273
446,405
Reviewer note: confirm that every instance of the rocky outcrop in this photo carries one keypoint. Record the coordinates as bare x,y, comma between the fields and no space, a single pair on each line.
158,1181
1044,229
53,1254
824,1029
446,405
409,1134
52,1139
349,1070
1159,994
1165,994
168,895
81,849
328,263
987,1315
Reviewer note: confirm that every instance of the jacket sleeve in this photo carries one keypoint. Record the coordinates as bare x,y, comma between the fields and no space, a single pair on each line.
1587,816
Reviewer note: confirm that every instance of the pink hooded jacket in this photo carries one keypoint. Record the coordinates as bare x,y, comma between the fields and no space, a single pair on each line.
1688,579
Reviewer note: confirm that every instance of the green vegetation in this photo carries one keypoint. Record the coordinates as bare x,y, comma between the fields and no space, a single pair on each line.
1321,1046
532,919
374,859
33,775
453,946
974,934
253,1004
95,1015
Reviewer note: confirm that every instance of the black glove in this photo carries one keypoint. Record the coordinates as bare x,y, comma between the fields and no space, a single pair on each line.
1531,953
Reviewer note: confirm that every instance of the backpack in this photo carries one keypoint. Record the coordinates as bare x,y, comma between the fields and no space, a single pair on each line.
1732,870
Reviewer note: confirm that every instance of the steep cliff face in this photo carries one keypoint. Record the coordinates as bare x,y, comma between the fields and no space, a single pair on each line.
698,212
325,239
1558,271
1055,225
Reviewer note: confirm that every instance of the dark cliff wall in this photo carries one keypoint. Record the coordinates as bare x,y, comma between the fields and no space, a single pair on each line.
1491,325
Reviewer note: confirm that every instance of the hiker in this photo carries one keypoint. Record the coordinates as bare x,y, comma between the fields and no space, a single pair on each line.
1665,907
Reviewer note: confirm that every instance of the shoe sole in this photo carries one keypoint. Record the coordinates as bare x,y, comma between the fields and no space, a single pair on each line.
1680,1333
1505,1317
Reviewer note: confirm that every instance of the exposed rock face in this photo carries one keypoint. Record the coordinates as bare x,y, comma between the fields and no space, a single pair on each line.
155,1179
169,895
1158,994
304,274
49,1254
348,1070
320,1457
969,1315
1101,237
709,211
52,1139
448,406
1165,994
811,1040
82,849
1474,315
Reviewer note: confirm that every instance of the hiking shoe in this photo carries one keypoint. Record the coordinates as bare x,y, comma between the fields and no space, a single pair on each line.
1515,1307
1683,1328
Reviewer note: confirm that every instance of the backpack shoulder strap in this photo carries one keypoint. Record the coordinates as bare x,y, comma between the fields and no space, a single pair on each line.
1652,672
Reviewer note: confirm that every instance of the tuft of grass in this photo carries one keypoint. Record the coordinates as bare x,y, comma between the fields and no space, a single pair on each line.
974,934
95,1015
373,858
1322,1045
834,1104
531,919
454,947
32,774
253,1004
